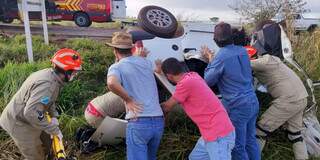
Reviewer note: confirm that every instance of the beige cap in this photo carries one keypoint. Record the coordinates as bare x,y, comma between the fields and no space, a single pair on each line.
121,40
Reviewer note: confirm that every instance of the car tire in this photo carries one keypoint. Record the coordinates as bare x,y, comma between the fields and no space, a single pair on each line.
157,21
82,19
7,20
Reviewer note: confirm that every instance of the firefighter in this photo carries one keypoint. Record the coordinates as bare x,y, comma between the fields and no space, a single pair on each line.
24,117
286,88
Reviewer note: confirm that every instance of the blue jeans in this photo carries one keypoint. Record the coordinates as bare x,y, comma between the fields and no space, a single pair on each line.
220,149
143,138
243,116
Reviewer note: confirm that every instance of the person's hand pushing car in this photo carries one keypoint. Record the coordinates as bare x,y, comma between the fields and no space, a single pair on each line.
207,53
158,66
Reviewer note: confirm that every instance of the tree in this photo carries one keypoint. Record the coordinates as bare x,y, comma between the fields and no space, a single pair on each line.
259,10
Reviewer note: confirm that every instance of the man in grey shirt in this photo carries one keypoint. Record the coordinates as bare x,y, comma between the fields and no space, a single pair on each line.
132,78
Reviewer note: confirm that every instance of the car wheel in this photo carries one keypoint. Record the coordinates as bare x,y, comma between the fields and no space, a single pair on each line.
7,20
157,21
82,19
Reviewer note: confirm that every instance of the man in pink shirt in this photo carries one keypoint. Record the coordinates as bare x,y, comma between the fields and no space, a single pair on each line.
205,110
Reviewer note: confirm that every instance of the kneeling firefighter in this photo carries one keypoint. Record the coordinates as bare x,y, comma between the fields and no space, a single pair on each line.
24,118
283,84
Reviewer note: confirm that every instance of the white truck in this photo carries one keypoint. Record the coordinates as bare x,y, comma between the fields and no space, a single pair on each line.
301,23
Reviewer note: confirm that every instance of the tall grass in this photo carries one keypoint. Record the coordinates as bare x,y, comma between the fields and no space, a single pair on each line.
15,49
307,53
12,77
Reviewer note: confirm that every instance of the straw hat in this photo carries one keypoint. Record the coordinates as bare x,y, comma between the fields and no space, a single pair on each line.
121,40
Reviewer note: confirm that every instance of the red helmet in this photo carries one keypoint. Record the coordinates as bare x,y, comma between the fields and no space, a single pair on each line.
67,59
251,51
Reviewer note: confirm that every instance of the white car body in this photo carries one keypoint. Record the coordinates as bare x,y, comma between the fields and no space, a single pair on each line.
301,23
189,45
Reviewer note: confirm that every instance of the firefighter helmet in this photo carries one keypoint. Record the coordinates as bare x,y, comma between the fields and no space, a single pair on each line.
67,60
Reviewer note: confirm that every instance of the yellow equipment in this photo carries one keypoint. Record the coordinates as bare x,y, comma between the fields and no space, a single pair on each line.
57,144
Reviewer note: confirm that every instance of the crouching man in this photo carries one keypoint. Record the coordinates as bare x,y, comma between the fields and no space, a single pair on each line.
108,104
204,108
286,88
24,118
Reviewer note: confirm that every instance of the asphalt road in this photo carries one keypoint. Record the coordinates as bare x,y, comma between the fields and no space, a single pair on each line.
61,32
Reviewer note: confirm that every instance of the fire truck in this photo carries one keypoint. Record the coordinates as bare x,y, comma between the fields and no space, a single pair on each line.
8,11
82,12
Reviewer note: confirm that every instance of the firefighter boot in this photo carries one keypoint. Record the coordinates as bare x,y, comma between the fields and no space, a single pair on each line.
298,145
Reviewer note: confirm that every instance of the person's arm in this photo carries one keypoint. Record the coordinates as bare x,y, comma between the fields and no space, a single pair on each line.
142,52
259,64
180,95
213,72
207,53
158,66
115,87
38,104
53,110
169,104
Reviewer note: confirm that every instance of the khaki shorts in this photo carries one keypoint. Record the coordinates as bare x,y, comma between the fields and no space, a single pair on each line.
282,112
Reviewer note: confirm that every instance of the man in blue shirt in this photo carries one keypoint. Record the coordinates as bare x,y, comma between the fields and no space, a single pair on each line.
131,78
230,70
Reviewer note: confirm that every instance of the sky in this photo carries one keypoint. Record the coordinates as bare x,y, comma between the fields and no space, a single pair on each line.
202,10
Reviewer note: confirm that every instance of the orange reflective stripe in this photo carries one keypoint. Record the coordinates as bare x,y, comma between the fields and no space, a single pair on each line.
92,110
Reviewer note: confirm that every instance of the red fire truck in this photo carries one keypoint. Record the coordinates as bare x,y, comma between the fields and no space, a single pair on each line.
82,12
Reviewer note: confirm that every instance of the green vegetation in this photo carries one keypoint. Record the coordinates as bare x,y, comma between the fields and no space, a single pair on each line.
14,49
307,53
180,135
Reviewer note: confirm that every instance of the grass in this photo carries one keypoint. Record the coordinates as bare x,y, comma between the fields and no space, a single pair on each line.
12,77
14,49
307,53
180,134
